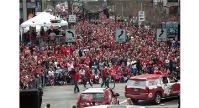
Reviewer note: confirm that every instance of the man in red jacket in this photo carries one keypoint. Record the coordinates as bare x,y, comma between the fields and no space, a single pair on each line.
76,79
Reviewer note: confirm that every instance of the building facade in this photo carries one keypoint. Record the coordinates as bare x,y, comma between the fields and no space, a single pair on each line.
31,8
171,6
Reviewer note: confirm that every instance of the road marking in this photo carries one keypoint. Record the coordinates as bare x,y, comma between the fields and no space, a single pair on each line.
123,101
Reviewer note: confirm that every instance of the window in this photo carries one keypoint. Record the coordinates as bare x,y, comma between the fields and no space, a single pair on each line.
165,80
21,14
98,97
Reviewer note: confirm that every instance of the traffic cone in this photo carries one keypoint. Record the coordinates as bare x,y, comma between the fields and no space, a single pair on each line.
64,83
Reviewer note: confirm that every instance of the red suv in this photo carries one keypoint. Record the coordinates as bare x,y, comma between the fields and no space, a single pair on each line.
103,96
151,87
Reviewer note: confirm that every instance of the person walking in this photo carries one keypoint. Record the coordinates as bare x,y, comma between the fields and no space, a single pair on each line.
76,79
104,75
87,75
40,95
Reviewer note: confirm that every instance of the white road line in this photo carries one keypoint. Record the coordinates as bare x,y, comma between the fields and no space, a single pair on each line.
123,101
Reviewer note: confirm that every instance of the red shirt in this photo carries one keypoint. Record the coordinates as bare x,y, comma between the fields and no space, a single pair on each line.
104,73
22,49
67,51
119,71
127,70
87,72
112,71
76,76
27,35
62,50
75,64
100,52
86,62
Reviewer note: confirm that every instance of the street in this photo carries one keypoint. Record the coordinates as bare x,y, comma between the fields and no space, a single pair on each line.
64,97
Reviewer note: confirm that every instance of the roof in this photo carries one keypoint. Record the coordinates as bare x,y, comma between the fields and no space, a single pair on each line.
94,90
144,77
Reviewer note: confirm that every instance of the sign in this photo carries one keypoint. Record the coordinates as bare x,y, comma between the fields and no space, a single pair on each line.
172,29
141,16
72,18
70,35
120,35
161,35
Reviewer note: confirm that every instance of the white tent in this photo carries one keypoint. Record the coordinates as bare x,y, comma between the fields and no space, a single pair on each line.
64,22
42,19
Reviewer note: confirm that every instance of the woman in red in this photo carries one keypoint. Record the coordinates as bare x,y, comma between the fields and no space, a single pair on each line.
128,70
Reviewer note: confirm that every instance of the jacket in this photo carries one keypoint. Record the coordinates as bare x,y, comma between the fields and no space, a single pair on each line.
87,74
104,73
76,76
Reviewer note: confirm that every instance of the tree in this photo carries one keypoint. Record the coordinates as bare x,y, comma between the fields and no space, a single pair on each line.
155,13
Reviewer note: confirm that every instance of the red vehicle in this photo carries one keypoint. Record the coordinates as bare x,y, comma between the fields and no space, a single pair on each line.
151,87
103,96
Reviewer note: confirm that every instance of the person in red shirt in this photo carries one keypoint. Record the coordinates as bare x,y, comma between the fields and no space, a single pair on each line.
96,78
62,49
105,73
86,62
76,79
100,52
112,70
87,75
67,51
74,62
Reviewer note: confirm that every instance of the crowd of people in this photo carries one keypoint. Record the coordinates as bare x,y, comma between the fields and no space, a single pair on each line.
96,52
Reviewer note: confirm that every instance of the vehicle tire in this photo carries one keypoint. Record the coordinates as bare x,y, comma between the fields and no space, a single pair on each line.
134,101
157,98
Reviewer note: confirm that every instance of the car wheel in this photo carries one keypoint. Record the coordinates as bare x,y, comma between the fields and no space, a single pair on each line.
157,98
134,101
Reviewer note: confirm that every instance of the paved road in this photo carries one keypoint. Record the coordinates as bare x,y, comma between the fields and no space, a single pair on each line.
64,97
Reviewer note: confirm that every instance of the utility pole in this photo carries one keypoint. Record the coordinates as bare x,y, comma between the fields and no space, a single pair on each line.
72,7
24,10
41,5
122,9
141,5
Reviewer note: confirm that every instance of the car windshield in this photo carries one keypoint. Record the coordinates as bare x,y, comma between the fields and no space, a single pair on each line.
92,97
